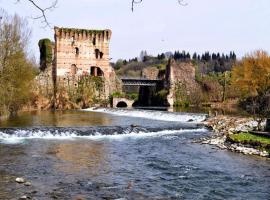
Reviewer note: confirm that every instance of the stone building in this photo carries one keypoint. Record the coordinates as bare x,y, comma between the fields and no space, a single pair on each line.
83,52
180,73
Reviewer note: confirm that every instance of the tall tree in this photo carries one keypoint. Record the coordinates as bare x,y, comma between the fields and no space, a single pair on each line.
16,70
252,74
252,77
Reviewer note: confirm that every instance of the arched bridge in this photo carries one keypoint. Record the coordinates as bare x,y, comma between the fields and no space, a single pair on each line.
122,103
140,81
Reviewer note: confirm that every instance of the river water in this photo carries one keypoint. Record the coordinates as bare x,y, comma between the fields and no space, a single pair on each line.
122,154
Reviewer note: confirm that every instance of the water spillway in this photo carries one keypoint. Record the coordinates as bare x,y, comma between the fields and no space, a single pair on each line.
154,115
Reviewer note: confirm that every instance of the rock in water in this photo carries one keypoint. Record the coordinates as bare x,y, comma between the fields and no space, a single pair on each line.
24,197
20,180
27,184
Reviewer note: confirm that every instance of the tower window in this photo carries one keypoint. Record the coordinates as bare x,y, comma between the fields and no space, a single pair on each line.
97,53
101,55
77,51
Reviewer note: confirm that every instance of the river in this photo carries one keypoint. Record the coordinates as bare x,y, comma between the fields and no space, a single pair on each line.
122,154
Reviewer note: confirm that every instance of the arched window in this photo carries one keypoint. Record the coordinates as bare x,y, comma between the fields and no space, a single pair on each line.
77,51
96,71
94,41
92,71
97,53
100,54
99,72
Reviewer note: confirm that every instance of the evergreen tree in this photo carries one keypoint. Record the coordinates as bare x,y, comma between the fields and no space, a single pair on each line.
188,56
214,56
194,56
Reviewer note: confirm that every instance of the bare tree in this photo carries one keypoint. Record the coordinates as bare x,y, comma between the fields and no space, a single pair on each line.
42,10
54,3
181,2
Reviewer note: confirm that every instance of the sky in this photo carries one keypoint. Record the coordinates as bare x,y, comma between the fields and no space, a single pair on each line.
158,25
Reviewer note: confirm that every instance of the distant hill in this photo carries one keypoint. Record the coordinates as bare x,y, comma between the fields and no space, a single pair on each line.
205,63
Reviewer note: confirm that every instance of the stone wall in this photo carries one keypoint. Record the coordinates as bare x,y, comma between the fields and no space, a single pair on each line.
179,73
150,73
81,52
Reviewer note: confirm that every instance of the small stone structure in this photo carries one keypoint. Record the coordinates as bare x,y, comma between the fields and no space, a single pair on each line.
122,103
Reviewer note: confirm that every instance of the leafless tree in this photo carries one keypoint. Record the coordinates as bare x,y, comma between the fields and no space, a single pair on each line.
181,2
53,4
42,10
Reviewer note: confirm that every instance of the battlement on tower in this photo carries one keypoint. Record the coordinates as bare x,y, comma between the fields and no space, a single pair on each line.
83,34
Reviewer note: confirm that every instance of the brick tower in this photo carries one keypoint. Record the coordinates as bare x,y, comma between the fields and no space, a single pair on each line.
82,52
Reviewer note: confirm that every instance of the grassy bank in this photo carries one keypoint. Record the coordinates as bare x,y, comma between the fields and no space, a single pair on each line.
256,141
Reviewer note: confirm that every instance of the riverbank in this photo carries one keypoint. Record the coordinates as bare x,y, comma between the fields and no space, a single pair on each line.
233,133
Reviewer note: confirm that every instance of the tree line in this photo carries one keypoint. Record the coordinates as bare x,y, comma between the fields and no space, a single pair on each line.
206,62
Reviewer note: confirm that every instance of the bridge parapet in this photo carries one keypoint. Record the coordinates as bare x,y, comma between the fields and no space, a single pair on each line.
140,81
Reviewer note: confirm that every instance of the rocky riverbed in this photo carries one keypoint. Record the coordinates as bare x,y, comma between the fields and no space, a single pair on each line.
223,126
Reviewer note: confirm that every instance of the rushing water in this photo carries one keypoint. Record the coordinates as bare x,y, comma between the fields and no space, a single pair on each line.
122,154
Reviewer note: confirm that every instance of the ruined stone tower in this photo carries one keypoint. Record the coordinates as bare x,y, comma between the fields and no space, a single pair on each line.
83,52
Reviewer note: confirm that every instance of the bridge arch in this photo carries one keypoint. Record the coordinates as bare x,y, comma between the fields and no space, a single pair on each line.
135,104
121,104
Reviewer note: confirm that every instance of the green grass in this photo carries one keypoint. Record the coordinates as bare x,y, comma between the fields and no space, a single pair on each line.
241,137
258,142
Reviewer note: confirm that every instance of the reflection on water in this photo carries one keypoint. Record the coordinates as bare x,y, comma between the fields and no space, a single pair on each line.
81,118
208,110
57,118
90,157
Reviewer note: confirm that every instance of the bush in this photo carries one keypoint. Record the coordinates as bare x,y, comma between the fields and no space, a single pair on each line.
184,104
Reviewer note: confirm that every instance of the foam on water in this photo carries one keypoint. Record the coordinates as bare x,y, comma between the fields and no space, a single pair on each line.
155,115
142,134
19,136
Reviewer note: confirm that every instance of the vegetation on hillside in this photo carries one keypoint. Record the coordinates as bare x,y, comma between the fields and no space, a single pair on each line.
213,74
134,67
205,63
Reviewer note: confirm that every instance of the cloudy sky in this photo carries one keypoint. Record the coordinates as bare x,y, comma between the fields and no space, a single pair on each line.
160,25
